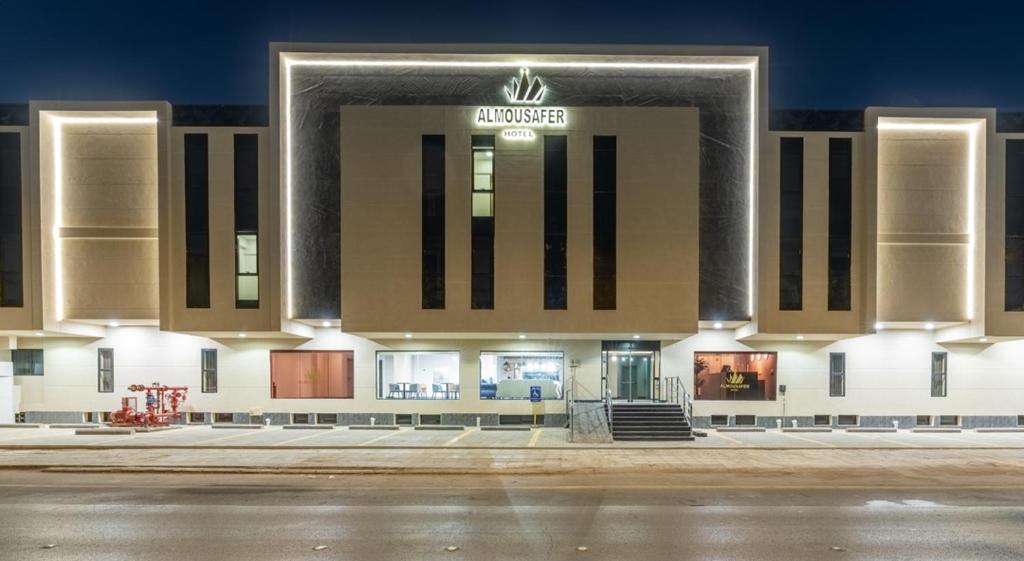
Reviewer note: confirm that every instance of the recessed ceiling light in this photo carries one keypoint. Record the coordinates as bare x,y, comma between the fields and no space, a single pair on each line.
984,339
718,325
879,326
800,337
114,324
929,326
522,336
242,335
40,334
325,324
636,336
408,335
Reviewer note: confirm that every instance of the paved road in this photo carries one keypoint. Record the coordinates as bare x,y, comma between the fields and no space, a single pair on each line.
492,518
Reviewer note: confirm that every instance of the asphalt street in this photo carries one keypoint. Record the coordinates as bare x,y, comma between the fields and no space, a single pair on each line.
66,516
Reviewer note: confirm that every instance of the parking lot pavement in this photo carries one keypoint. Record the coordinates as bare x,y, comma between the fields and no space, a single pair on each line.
547,437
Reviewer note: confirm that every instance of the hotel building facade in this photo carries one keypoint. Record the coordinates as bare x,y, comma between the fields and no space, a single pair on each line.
438,233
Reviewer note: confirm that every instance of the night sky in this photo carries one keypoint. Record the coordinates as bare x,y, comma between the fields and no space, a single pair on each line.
823,54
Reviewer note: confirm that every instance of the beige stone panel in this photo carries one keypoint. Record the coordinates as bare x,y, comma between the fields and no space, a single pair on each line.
111,279
922,282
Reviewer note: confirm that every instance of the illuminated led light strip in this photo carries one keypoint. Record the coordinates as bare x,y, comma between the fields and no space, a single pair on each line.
336,63
972,170
57,124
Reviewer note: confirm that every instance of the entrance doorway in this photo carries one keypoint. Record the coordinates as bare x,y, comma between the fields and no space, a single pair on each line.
631,369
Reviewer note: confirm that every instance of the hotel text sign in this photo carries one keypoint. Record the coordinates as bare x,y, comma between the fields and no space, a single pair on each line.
521,118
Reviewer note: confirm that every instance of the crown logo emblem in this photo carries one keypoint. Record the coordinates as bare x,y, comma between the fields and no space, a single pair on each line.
524,89
734,379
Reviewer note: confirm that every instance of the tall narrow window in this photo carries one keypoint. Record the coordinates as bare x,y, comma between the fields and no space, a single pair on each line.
197,221
482,281
837,374
840,222
105,371
791,223
939,375
605,155
209,371
556,233
1014,235
10,220
432,224
247,208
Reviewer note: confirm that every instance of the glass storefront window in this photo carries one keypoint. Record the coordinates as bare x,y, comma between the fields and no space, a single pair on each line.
510,374
418,375
311,374
737,376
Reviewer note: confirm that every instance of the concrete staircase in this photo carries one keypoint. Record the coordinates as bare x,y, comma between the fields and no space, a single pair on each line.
649,421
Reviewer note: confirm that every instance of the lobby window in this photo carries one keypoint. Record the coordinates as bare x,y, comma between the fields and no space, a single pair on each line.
311,374
247,270
837,374
605,155
482,266
10,220
418,375
1014,233
791,223
197,221
27,362
840,222
105,370
939,375
432,222
556,233
511,374
209,370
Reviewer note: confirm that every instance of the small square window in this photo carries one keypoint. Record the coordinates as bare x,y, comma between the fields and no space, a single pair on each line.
746,420
1020,420
197,417
105,416
719,420
847,420
300,418
949,421
823,420
223,417
403,419
90,417
923,421
430,419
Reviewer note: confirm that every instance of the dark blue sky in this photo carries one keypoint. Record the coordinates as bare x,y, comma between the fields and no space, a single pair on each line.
824,55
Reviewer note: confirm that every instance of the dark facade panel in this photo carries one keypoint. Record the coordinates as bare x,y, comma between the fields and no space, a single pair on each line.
840,223
797,120
197,221
1014,235
219,115
11,274
556,219
433,222
605,156
14,114
722,96
791,223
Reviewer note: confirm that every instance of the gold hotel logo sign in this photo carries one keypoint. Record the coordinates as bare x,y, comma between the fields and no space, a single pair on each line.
735,382
524,114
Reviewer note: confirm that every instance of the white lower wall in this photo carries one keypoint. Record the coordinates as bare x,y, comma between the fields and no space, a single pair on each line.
887,374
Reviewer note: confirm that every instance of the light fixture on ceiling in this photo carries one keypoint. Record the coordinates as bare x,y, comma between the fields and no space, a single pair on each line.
522,336
114,324
242,335
408,335
929,326
636,336
325,323
718,325
879,326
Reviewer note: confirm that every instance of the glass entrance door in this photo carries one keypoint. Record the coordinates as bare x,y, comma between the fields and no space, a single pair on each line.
631,374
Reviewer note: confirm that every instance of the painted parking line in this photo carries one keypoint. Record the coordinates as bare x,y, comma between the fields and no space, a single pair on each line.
728,438
241,433
974,443
315,434
382,437
805,439
534,438
874,436
461,436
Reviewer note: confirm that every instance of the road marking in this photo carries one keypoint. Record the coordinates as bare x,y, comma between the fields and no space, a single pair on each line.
871,436
381,437
316,433
955,439
728,438
460,437
534,438
241,433
805,439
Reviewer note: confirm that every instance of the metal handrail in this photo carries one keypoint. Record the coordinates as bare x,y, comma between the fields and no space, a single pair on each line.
608,406
677,394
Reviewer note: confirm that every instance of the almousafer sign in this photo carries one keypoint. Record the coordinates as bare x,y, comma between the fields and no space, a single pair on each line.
525,113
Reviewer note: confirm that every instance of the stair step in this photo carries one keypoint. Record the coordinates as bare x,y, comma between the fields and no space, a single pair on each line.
655,438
